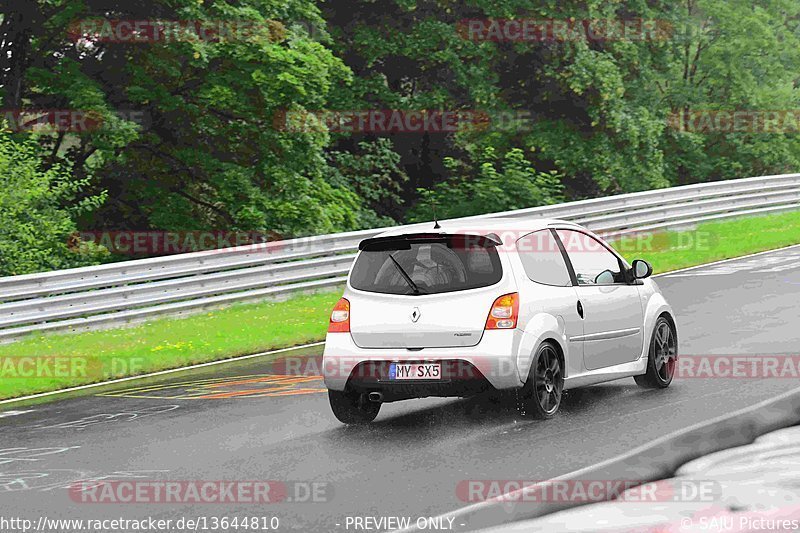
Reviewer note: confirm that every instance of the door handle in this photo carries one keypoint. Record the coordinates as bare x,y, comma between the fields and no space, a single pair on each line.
580,309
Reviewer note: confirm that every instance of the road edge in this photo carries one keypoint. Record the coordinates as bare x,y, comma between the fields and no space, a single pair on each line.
653,461
159,373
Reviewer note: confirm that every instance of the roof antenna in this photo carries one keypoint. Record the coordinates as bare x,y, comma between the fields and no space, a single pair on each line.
435,222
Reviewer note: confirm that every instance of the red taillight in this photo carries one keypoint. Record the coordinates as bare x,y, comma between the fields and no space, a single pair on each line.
504,312
340,317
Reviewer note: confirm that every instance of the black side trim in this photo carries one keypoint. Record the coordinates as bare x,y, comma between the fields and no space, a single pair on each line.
567,260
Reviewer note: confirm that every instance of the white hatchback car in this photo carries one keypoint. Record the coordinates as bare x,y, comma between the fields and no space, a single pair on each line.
536,307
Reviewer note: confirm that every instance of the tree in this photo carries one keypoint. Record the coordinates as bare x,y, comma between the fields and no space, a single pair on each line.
38,206
209,153
600,108
372,172
214,146
729,56
499,186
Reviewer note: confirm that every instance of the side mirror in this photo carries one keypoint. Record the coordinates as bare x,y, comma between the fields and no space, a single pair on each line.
641,269
606,277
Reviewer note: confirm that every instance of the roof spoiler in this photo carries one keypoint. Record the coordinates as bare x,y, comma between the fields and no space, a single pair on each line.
404,241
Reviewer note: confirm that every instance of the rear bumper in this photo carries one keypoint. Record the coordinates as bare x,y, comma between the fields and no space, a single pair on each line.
465,370
459,378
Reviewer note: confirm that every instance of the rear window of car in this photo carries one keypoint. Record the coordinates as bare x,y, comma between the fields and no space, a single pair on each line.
426,266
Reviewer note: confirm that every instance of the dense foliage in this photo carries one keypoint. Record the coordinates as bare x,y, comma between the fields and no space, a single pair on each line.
194,132
37,230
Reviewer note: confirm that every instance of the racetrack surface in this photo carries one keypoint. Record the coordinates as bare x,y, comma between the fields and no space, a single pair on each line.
409,462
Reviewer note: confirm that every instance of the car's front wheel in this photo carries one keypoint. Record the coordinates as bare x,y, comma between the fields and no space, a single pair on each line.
353,407
540,397
661,358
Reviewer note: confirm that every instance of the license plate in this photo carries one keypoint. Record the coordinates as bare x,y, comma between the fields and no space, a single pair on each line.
409,371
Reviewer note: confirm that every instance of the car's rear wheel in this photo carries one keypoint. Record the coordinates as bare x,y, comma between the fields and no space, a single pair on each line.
353,407
662,357
540,397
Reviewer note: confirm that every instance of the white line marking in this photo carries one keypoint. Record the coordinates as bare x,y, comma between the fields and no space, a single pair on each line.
585,470
5,414
775,263
160,373
687,269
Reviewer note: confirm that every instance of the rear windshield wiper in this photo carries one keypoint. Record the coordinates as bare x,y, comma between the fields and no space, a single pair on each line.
405,276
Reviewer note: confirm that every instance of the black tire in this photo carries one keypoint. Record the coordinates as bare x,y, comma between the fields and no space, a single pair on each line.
661,357
352,407
540,397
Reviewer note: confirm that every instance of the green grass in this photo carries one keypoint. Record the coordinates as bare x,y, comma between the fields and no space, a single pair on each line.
247,328
168,342
714,241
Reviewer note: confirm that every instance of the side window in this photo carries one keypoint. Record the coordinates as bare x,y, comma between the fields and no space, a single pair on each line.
593,263
542,259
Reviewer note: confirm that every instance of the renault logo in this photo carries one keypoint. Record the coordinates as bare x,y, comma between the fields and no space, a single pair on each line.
415,314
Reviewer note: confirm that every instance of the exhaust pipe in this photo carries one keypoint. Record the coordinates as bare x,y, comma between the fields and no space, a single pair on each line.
376,397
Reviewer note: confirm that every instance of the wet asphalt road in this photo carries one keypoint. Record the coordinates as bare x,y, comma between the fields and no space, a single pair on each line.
409,462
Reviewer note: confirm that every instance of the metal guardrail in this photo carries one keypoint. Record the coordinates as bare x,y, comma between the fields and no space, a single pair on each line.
132,291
